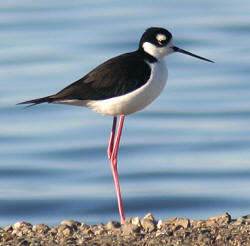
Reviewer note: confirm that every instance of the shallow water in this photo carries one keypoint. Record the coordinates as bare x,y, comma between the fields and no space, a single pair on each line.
185,155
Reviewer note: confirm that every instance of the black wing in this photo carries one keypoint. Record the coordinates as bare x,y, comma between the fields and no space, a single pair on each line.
115,77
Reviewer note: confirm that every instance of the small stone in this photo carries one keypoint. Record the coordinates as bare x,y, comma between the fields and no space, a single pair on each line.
221,219
149,216
200,237
71,223
24,242
67,232
17,225
239,221
171,220
101,225
182,222
99,231
83,226
41,228
219,237
148,225
21,224
136,221
6,237
129,228
8,228
247,219
205,237
210,222
53,230
88,231
198,223
175,228
159,224
17,233
159,233
128,221
21,228
113,225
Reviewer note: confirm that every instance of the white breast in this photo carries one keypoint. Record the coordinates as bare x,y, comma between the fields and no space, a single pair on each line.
133,101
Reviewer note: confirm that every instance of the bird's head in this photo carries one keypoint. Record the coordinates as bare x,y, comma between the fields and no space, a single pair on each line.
158,42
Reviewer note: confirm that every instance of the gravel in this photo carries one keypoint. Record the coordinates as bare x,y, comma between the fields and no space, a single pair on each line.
216,231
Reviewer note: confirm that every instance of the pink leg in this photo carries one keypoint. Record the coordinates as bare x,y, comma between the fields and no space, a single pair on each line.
113,163
111,139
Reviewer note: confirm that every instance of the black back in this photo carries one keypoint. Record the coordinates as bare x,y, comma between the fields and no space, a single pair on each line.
115,77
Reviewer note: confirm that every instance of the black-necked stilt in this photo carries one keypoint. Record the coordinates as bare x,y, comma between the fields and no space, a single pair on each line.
121,86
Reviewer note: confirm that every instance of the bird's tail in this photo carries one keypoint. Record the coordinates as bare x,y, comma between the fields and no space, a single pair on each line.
48,99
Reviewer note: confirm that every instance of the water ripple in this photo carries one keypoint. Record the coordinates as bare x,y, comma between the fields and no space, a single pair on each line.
187,154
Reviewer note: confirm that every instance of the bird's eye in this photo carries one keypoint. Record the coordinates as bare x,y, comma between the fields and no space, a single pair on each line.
161,39
162,42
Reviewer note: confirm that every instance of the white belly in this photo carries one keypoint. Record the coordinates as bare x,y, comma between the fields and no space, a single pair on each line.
133,101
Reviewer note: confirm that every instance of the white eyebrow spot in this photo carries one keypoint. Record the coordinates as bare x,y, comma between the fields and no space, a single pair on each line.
161,37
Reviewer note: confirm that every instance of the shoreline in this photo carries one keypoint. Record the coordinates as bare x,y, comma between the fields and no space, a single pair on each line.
216,231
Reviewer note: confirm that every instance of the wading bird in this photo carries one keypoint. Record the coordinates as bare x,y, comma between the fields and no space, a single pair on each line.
121,86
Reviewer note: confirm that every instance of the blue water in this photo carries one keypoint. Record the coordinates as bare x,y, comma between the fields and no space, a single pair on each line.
186,155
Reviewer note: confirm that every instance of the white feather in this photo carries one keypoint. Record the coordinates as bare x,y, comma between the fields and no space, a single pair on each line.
158,52
133,101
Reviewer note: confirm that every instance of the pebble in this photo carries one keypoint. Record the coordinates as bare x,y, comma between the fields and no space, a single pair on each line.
136,221
247,219
67,231
129,229
99,230
83,225
221,219
159,224
198,223
218,230
113,225
41,228
21,228
71,223
240,221
22,225
148,225
171,221
149,216
88,231
182,222
8,228
6,237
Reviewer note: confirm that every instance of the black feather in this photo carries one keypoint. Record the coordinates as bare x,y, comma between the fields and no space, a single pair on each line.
38,101
115,77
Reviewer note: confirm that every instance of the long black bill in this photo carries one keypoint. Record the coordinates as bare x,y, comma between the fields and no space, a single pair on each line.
176,49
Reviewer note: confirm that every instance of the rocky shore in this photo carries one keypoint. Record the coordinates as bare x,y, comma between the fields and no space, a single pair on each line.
216,231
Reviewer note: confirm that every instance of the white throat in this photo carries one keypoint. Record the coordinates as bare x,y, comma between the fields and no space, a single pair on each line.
158,52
